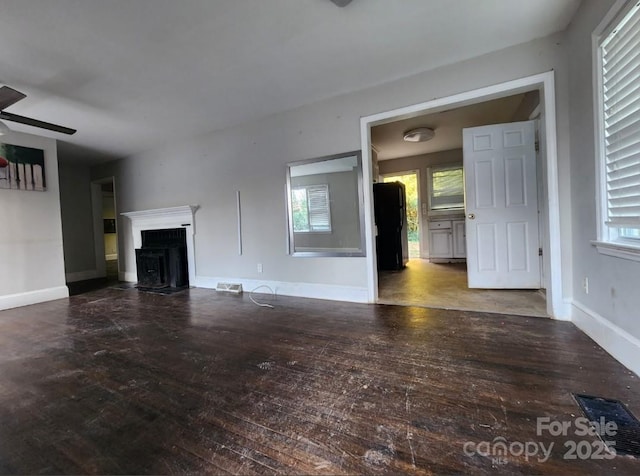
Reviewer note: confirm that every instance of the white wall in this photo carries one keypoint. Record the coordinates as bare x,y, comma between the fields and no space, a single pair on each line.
31,257
207,170
77,221
609,313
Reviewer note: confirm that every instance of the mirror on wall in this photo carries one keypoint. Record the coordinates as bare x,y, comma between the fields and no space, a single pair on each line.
325,206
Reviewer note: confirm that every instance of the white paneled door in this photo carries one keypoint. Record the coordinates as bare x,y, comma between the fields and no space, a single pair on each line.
501,206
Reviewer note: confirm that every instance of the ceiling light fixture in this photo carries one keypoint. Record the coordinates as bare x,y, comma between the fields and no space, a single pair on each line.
419,134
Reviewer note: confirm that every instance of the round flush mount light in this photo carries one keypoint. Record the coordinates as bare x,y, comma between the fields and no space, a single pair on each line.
419,134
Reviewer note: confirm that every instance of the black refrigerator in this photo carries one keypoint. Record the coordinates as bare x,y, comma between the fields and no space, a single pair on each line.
392,243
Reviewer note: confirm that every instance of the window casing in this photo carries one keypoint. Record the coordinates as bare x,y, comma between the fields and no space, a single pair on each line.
617,55
311,210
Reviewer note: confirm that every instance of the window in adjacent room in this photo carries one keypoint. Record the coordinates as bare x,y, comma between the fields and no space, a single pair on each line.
310,207
446,188
618,125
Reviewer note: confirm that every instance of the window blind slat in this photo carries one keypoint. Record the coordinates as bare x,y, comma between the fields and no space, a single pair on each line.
630,132
627,145
625,188
619,65
627,154
616,115
625,200
619,61
622,214
618,102
624,222
613,128
614,174
622,77
624,89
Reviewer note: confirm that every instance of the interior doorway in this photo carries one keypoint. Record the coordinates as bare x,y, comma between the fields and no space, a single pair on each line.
105,228
543,85
457,266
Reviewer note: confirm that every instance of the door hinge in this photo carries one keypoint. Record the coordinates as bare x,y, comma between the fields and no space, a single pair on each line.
537,146
539,251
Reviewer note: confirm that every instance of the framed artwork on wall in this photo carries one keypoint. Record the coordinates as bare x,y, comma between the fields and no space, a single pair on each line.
22,168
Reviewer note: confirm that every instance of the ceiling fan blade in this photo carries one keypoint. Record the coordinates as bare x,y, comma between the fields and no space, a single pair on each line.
7,116
9,96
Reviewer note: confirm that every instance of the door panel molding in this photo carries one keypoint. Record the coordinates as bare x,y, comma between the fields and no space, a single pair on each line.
513,244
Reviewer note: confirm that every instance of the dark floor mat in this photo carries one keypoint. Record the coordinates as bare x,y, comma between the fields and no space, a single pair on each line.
124,286
163,291
627,436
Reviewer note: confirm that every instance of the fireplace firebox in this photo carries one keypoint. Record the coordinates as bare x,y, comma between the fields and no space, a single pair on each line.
161,262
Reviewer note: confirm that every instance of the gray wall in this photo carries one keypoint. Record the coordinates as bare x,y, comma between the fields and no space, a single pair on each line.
31,257
422,163
207,170
613,282
77,219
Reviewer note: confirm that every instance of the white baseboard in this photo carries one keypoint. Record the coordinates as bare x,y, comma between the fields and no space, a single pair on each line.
284,288
111,257
33,297
83,275
564,311
128,276
616,341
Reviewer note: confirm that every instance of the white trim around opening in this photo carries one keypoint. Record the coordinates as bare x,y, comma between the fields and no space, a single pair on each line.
556,302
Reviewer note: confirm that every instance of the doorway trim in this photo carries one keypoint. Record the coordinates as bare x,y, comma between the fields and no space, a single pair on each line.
556,304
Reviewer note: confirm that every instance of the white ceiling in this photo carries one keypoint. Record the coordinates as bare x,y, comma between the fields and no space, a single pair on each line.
132,74
388,138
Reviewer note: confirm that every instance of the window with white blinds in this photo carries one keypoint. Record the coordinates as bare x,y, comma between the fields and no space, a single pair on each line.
620,95
311,210
446,188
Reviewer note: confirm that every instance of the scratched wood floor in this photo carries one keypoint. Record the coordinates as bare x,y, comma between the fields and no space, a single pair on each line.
121,382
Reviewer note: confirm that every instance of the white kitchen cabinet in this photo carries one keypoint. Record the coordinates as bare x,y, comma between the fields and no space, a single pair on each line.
447,240
440,243
459,239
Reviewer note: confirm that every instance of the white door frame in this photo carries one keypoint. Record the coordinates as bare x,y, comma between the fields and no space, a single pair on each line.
415,172
545,83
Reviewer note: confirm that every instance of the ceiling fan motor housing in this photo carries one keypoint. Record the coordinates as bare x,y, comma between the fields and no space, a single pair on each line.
341,3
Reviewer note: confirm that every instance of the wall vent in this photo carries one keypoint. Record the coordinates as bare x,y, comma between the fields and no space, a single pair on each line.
229,288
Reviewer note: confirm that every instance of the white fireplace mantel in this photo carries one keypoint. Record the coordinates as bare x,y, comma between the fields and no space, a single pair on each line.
166,218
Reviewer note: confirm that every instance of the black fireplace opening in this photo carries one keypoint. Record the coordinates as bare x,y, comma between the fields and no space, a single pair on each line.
162,260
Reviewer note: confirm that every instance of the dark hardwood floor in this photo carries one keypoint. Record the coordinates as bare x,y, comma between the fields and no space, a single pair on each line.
123,382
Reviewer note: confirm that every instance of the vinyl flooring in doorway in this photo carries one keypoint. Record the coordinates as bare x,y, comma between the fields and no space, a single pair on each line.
444,286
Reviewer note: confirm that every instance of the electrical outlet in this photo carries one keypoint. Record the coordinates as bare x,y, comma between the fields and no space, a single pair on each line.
585,285
259,267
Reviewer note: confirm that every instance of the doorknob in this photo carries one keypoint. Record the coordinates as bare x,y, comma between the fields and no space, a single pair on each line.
471,216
